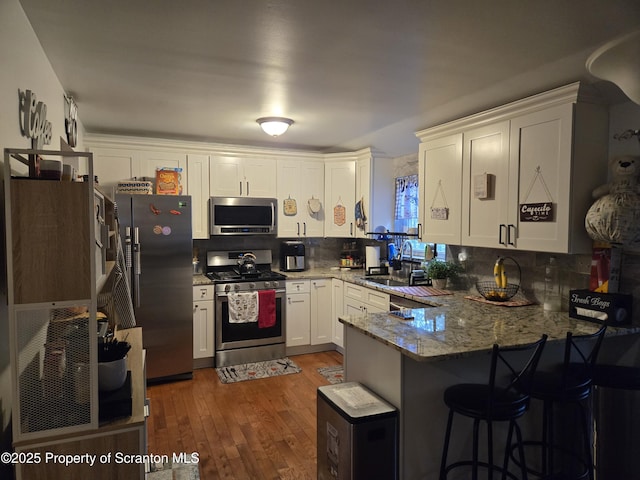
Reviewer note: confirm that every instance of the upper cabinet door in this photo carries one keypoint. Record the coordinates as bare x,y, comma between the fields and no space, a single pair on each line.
112,166
289,225
260,177
340,191
151,161
440,178
312,187
198,181
540,163
485,206
300,180
226,179
243,177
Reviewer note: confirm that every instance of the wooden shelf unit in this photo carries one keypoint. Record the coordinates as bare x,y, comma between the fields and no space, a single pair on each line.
59,256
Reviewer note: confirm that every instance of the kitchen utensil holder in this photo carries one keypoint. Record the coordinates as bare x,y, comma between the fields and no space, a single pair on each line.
490,291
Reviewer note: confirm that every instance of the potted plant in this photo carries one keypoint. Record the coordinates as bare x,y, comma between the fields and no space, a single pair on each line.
440,270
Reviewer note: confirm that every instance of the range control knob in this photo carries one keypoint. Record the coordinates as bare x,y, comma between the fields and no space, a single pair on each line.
275,284
252,286
227,288
236,287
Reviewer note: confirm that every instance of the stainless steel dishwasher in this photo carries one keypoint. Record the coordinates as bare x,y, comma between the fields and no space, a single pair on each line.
357,434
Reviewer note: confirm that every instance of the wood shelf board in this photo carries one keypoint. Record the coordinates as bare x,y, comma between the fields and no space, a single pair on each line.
51,252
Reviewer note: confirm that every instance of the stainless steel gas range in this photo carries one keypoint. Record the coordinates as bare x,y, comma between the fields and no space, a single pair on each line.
249,307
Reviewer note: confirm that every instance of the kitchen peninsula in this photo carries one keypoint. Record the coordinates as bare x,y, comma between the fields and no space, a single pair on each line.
411,362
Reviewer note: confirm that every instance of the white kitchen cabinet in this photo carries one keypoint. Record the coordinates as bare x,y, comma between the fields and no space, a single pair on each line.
549,149
232,176
298,313
114,165
300,180
359,300
150,161
337,309
375,184
340,191
203,325
559,155
321,325
198,181
440,173
485,151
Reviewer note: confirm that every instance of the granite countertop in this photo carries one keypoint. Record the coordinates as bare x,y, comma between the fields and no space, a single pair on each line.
460,327
451,326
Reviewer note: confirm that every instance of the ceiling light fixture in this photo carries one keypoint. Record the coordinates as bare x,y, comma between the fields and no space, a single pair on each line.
617,62
274,126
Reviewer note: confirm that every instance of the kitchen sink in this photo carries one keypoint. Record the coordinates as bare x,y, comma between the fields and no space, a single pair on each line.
388,282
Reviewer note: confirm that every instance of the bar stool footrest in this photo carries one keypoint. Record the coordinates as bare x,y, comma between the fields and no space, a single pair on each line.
556,448
469,463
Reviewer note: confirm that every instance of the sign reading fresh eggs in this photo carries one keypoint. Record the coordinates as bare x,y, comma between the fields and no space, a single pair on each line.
33,119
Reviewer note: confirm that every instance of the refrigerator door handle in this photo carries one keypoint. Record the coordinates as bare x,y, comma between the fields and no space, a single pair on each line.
127,248
137,266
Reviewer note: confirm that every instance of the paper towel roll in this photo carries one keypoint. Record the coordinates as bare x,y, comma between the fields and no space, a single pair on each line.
372,256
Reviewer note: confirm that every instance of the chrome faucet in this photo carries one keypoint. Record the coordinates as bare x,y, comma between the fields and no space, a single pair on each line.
407,242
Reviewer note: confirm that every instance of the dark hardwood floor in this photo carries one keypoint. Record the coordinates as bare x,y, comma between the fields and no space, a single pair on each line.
258,429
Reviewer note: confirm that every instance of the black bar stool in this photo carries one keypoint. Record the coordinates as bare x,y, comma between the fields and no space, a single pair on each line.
503,399
566,384
615,408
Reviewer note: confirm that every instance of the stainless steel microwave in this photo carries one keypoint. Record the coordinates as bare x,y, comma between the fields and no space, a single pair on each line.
242,216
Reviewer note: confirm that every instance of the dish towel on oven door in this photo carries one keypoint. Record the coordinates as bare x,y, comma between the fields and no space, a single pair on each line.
243,307
266,308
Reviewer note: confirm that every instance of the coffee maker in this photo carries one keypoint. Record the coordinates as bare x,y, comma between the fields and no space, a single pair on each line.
292,256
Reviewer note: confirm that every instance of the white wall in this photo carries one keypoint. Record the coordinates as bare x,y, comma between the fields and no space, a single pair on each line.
25,67
622,117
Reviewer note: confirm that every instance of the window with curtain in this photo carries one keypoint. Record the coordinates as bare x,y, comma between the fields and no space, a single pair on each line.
406,217
406,203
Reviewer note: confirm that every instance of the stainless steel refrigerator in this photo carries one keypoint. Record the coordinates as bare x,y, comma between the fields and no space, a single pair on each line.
157,239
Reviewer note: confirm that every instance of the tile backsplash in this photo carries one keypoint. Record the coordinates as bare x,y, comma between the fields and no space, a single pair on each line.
574,269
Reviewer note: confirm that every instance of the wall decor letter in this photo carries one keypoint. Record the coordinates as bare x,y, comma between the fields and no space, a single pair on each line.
32,116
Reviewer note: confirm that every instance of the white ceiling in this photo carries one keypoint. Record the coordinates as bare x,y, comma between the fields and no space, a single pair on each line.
351,73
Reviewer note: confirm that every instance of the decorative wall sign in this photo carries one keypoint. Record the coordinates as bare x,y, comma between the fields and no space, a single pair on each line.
537,212
482,186
339,214
70,120
290,207
439,213
33,119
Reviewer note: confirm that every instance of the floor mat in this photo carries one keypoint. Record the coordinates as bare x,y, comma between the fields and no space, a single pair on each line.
252,371
173,471
335,373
